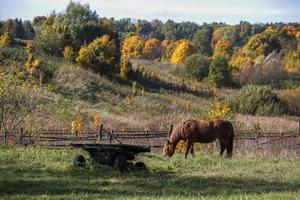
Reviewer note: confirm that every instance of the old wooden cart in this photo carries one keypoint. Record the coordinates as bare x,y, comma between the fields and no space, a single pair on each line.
116,155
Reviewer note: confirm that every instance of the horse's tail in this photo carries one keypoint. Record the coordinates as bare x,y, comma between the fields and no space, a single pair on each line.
230,141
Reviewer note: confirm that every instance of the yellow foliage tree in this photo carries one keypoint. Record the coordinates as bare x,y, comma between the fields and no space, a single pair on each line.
32,63
5,39
133,47
99,54
292,61
223,48
298,35
68,53
169,48
77,125
97,120
124,68
84,57
153,49
218,111
289,30
239,60
224,33
183,50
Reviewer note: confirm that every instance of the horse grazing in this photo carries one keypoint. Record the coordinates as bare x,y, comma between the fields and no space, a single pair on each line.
193,131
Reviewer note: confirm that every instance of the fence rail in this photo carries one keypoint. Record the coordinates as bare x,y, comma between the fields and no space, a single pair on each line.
153,138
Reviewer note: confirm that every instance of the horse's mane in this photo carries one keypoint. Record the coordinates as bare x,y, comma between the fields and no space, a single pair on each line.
178,132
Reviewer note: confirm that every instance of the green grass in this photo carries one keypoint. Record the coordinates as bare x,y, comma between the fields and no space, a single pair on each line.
41,173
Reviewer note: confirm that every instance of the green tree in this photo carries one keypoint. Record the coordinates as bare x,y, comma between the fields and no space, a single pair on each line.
219,72
197,66
202,40
225,33
53,36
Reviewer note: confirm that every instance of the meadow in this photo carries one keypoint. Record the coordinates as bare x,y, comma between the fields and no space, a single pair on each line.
45,173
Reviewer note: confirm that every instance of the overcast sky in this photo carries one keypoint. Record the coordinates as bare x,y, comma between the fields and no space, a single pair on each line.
229,11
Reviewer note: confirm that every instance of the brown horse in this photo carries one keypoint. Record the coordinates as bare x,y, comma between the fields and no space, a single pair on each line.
193,131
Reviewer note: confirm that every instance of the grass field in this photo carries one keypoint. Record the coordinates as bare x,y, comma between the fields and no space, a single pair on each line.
40,173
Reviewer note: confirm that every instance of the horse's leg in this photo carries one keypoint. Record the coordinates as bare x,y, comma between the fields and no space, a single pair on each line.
229,145
192,150
188,146
222,145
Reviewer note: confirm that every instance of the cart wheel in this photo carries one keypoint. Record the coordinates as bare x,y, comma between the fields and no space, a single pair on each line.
120,163
79,161
140,166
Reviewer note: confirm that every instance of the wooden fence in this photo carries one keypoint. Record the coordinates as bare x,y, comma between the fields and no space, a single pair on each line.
153,138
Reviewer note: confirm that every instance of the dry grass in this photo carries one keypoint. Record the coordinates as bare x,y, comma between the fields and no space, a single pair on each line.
266,124
292,98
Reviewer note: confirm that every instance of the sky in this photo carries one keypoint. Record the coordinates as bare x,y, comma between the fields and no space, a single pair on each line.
199,11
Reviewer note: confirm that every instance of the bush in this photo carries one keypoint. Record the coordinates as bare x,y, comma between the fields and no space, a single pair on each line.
196,66
257,100
98,55
219,72
292,99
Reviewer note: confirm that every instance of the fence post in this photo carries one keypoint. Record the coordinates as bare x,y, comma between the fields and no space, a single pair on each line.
257,140
5,138
299,129
170,131
29,135
110,136
21,135
100,132
147,134
76,134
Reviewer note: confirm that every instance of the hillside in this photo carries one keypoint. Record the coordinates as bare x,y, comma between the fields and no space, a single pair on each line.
76,69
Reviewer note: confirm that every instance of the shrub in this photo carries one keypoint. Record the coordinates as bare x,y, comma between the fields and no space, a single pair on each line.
219,72
196,66
292,99
5,39
292,61
69,54
53,38
98,55
125,68
257,100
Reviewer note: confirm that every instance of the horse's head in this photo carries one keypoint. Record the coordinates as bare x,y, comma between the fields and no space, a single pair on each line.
168,150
